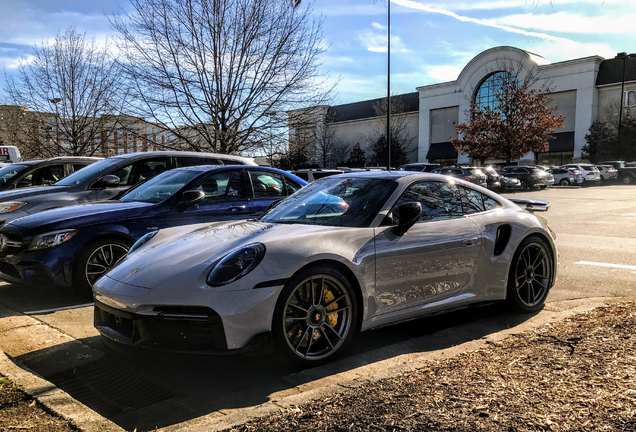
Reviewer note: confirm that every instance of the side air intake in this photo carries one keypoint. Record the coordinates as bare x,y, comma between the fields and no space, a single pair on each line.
503,235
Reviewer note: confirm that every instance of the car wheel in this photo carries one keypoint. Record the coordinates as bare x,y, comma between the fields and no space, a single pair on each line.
315,317
628,179
564,182
94,260
531,275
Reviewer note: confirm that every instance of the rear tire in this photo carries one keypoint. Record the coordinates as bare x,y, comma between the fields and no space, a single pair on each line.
628,179
316,316
564,182
94,260
531,275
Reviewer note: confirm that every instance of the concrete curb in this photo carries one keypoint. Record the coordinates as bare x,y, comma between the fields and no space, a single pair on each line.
54,399
370,373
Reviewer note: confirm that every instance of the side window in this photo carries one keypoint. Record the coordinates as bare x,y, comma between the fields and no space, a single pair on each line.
267,184
475,202
221,187
440,200
196,161
43,176
292,186
142,170
77,167
472,202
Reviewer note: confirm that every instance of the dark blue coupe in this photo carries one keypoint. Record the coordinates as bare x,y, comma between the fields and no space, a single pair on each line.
75,246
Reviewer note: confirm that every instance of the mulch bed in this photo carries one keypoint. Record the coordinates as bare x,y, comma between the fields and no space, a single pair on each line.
20,412
575,375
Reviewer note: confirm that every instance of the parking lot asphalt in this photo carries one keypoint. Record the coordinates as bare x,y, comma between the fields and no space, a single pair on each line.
50,332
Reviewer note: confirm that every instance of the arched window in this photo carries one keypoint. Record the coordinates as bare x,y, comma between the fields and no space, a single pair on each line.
486,94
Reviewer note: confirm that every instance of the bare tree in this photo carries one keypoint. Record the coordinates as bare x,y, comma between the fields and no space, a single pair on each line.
65,97
401,139
219,68
325,143
340,153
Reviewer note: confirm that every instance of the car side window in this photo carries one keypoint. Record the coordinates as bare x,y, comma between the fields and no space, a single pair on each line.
292,186
221,187
46,175
267,184
77,167
196,161
439,200
139,171
476,202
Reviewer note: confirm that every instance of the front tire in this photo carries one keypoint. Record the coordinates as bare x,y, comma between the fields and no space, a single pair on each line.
316,316
95,260
531,275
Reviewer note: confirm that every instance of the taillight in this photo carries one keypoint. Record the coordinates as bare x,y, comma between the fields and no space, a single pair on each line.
571,175
344,205
590,173
471,178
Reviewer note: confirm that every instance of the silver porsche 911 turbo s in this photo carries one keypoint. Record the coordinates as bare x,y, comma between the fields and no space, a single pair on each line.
345,254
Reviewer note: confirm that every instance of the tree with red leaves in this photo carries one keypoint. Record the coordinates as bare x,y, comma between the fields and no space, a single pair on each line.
516,120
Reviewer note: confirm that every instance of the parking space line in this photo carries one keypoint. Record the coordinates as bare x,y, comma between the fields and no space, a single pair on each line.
46,311
623,266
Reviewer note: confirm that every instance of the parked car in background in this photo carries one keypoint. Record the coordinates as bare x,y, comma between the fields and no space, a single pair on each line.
567,177
471,174
41,172
104,180
419,167
589,172
10,154
608,172
493,179
530,177
302,271
310,175
615,164
76,245
509,183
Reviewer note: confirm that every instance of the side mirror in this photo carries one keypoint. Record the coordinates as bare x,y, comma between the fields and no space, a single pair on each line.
408,214
108,181
191,197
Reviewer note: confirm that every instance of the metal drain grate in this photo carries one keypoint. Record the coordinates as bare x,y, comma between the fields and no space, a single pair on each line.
110,387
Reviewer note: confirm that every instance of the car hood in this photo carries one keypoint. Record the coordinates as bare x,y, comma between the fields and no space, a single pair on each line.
77,216
18,194
179,250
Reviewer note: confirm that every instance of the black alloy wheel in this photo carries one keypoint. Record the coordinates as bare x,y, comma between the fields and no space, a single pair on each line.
315,318
95,260
531,275
564,182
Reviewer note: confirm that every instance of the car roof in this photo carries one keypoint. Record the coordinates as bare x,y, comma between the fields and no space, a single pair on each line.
69,159
205,168
140,155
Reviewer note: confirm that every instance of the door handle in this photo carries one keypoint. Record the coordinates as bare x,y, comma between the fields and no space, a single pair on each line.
471,242
237,208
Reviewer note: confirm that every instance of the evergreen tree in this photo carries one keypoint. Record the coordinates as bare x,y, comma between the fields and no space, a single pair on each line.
357,158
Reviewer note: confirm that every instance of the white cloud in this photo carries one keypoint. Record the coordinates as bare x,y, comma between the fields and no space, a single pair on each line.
570,50
377,42
378,26
444,73
569,23
526,4
14,62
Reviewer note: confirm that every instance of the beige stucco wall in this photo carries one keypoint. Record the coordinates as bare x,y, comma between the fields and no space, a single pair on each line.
609,101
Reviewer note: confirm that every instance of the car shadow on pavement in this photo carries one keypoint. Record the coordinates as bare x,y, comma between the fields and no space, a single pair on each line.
154,390
30,300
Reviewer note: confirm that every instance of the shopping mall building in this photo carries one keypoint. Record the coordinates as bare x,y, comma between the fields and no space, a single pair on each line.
583,90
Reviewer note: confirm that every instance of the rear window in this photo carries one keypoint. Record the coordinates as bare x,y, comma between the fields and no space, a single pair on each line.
587,167
476,172
319,175
536,170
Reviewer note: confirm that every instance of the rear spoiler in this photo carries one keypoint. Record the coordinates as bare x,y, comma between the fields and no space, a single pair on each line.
531,205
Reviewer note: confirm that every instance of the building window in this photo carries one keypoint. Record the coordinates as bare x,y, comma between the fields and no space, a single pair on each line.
490,90
120,151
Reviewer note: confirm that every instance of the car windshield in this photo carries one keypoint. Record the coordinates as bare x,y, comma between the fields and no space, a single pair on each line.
161,187
8,172
92,172
334,201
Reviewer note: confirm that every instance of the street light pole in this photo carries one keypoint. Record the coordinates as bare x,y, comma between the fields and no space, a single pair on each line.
55,101
388,88
622,56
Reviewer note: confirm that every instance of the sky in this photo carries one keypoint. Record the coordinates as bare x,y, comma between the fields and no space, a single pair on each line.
430,41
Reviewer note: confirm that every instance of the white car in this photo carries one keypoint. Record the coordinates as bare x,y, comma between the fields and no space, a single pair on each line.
589,172
608,172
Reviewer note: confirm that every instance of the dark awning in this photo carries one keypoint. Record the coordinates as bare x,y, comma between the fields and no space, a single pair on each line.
562,142
444,150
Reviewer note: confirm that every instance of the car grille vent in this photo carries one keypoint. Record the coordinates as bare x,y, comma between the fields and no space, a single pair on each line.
184,310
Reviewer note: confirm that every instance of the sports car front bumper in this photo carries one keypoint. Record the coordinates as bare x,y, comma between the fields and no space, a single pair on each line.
182,319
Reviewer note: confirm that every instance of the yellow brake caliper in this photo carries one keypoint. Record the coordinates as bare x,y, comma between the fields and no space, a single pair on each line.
332,319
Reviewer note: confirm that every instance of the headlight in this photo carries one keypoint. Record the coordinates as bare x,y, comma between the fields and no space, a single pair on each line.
236,264
142,241
51,239
9,206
